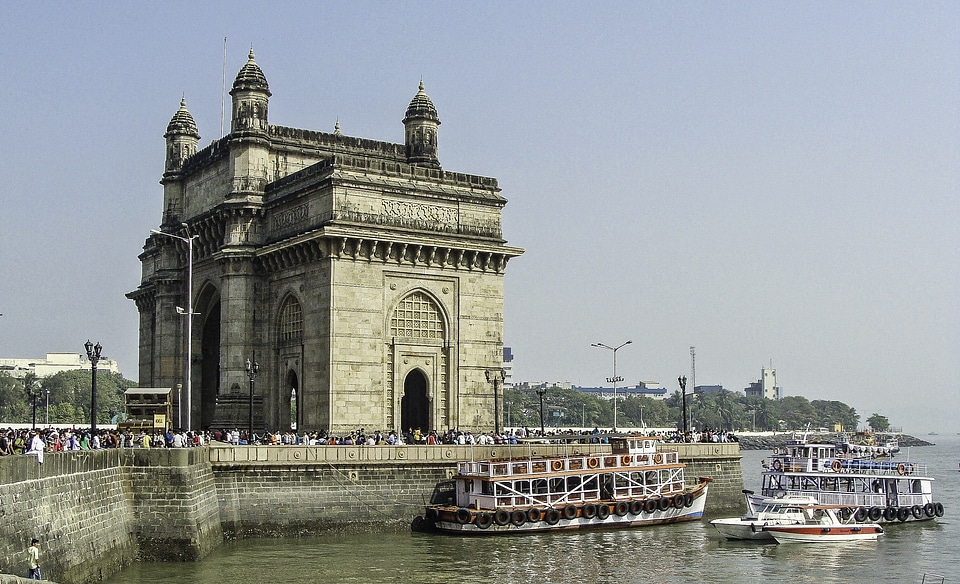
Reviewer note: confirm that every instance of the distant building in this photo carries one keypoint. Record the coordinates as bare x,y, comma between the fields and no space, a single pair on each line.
708,389
507,367
651,389
766,386
53,364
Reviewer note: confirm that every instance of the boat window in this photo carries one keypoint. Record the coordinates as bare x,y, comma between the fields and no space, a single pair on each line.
486,487
540,486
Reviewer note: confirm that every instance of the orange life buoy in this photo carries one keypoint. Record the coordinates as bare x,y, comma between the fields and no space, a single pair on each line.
593,462
625,460
777,465
836,466
901,469
556,465
657,458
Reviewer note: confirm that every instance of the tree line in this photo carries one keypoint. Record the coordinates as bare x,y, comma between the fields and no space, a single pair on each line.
718,411
63,398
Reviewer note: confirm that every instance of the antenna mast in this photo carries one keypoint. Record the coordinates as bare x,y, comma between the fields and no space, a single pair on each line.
223,83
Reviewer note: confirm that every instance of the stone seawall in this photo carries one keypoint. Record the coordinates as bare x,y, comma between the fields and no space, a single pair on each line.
96,512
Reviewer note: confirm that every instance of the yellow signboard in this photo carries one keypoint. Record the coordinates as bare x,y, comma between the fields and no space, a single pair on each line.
159,421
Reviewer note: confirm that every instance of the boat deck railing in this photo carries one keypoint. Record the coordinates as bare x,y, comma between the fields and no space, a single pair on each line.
849,466
865,499
568,463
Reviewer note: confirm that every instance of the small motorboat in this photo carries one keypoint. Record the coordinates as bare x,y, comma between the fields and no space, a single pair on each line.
823,524
787,510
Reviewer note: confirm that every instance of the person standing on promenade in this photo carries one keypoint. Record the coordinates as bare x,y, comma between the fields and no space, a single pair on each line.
34,558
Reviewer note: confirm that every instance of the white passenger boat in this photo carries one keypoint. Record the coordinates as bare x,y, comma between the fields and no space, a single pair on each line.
787,510
875,490
822,524
635,484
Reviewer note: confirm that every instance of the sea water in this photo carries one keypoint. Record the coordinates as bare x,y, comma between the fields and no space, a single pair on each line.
682,553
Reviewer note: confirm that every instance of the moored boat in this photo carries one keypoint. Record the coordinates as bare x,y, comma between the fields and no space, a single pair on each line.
788,510
635,484
875,490
822,524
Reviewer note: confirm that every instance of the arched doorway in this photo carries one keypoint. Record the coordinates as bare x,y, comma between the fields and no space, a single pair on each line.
414,406
210,364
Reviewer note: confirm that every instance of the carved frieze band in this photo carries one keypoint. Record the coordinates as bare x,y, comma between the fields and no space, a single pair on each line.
420,215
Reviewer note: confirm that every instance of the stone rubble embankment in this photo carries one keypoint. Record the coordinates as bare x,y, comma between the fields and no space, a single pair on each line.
771,441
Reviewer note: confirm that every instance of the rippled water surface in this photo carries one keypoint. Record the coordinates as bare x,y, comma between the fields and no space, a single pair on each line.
686,552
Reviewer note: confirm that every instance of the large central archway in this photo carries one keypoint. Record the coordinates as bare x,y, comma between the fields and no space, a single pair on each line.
414,406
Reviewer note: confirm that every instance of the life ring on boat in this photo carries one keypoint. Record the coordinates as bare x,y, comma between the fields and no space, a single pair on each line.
663,503
483,520
589,511
677,500
777,465
836,465
861,515
916,511
570,512
938,509
688,500
776,451
625,460
901,469
890,513
875,513
929,510
657,458
593,462
903,513
636,507
557,465
463,515
621,508
518,518
650,505
501,517
603,511
534,514
552,516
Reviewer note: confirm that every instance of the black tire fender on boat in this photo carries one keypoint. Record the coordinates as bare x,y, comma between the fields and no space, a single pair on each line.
861,515
929,510
501,517
846,513
890,513
534,514
589,511
678,500
621,508
688,500
603,511
570,512
650,505
552,516
518,518
903,513
916,511
463,515
483,520
875,513
663,503
938,509
636,507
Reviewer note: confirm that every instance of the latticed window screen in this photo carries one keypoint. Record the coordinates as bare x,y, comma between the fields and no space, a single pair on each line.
291,321
417,317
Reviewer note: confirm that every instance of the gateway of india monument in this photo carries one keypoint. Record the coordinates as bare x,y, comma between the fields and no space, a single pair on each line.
363,279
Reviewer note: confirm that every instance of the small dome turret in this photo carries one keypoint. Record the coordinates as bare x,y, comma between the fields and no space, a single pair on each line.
182,138
250,95
421,124
251,77
182,124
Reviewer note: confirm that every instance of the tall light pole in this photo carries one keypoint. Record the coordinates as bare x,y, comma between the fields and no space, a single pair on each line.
540,392
189,314
615,378
495,377
46,413
251,367
93,354
682,380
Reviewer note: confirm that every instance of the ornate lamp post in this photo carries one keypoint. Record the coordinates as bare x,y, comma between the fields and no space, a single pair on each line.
189,314
251,367
540,392
495,377
93,354
46,412
682,380
615,377
30,386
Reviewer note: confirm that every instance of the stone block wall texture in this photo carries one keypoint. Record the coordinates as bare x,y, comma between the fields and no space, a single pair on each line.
96,512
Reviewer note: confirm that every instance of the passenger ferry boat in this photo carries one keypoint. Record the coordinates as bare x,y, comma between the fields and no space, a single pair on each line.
870,489
633,485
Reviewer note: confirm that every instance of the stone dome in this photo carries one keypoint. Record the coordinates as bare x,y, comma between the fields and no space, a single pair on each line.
421,108
182,124
250,77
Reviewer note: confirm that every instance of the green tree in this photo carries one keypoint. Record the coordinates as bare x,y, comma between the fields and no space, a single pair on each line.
878,423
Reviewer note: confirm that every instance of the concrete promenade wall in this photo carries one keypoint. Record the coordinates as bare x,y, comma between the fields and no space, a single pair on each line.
96,512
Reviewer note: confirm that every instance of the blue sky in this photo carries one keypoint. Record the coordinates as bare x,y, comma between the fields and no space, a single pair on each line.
769,182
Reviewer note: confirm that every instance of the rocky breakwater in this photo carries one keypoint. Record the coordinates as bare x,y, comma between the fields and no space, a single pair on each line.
771,441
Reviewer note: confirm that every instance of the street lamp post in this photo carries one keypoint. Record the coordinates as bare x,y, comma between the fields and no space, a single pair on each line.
251,367
495,376
179,419
682,380
615,378
540,392
642,425
93,354
189,314
46,411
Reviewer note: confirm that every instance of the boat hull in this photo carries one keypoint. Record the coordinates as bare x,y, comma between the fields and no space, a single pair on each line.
820,534
740,529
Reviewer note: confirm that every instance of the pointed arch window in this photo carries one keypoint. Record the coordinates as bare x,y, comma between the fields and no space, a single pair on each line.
417,316
291,321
